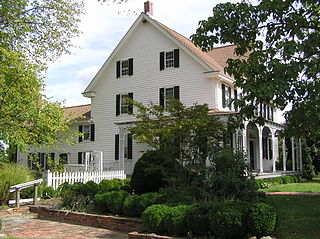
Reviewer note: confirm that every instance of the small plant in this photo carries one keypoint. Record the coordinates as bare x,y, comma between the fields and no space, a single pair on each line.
130,206
48,192
175,220
146,200
152,218
261,219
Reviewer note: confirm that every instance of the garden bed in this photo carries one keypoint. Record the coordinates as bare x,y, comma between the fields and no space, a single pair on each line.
122,224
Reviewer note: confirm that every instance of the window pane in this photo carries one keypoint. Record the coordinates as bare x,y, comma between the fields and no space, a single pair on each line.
125,67
125,146
124,104
169,59
86,132
168,95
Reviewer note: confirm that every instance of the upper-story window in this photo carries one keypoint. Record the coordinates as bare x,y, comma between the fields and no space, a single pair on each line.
264,111
122,105
87,132
169,59
124,68
165,94
226,96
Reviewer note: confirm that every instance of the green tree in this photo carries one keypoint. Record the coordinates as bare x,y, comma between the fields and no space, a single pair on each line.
181,133
280,44
33,32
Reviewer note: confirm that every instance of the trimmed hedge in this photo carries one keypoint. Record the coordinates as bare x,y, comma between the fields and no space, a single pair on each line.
261,219
145,201
227,221
175,198
265,183
100,201
114,185
115,201
130,206
152,218
175,220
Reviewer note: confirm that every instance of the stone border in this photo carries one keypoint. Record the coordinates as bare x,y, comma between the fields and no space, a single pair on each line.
122,224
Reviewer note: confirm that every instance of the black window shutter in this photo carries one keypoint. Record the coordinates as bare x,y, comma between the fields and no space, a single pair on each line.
271,109
80,130
161,97
229,89
92,132
130,107
176,58
79,157
235,97
223,96
130,66
116,149
117,105
161,60
129,146
176,92
118,69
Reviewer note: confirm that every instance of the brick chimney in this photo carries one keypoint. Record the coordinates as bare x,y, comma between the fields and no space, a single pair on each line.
148,8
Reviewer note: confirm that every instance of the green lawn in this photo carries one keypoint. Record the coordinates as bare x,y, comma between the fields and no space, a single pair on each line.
298,216
312,186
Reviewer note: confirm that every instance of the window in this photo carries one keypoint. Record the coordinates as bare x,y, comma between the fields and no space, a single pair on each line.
166,94
169,59
63,158
127,146
122,106
124,68
226,96
88,132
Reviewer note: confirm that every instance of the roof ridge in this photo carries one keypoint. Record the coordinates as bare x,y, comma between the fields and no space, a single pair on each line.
76,106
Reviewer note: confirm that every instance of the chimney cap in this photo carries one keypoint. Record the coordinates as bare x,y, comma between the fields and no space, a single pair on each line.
148,8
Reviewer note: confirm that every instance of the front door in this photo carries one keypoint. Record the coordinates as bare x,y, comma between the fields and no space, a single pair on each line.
252,152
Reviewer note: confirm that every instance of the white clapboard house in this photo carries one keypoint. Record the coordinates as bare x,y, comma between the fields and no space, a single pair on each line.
151,63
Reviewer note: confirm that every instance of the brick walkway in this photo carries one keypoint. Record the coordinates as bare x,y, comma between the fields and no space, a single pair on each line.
26,225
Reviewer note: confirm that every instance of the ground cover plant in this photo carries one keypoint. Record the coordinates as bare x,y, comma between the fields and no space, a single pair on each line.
298,216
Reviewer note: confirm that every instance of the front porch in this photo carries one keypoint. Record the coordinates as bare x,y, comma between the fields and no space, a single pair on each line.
276,174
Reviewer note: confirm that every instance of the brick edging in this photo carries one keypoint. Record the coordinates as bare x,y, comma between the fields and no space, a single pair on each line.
122,224
137,235
14,210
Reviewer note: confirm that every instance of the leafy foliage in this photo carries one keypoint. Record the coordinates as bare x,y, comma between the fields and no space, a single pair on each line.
146,200
152,218
261,219
278,42
175,220
107,185
130,206
115,201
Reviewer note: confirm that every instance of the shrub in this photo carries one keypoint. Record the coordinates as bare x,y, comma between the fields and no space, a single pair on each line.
265,183
226,221
175,220
48,192
115,201
12,174
63,188
100,201
174,198
113,185
149,172
130,206
261,219
152,218
197,218
0,224
146,200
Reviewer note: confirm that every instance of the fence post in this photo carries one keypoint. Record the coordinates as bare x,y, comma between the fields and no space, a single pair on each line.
49,178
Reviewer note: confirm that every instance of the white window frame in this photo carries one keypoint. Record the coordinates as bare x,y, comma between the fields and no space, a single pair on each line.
169,59
124,68
124,106
86,132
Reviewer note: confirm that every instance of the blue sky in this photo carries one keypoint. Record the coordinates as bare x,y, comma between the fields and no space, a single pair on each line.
103,26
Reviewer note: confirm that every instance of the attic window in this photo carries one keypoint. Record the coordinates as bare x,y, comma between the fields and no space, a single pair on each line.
169,59
124,68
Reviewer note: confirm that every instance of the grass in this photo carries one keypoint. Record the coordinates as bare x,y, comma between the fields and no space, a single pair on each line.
312,186
298,216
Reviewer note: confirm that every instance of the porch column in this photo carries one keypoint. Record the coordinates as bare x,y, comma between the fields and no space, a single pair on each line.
284,154
260,152
300,154
121,146
273,152
293,155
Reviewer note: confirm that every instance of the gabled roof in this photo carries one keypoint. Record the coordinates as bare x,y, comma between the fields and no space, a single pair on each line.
214,60
79,112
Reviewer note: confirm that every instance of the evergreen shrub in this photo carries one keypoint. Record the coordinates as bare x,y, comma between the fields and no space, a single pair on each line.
152,218
115,184
175,220
146,200
261,219
100,201
130,206
227,221
175,198
115,201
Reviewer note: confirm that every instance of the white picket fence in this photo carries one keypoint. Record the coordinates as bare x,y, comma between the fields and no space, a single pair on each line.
55,179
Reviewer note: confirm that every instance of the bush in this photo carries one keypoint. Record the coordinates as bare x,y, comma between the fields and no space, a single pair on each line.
226,221
115,201
197,218
130,206
12,174
146,200
113,185
0,224
48,192
62,188
261,219
100,201
149,172
175,198
152,218
175,220
266,182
